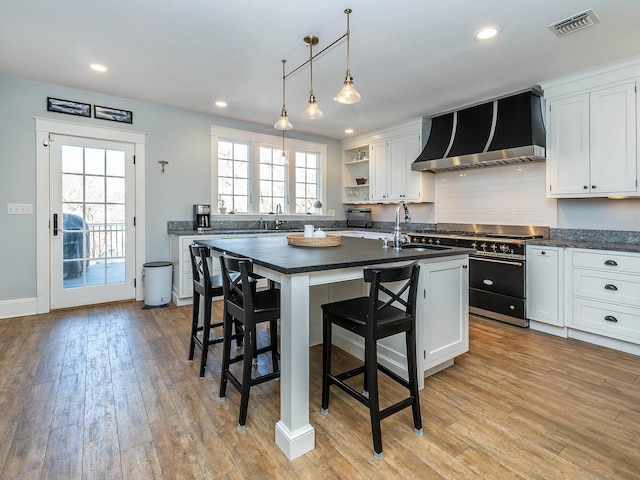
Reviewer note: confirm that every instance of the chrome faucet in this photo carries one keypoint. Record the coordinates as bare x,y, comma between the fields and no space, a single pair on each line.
278,222
400,238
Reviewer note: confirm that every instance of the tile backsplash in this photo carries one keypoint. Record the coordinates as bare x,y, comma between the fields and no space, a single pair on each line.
509,194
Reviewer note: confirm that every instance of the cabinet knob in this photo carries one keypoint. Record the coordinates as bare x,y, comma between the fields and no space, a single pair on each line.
512,307
593,187
611,263
611,318
586,187
610,286
543,253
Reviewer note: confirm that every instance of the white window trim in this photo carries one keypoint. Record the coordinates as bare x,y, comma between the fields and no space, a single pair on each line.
256,139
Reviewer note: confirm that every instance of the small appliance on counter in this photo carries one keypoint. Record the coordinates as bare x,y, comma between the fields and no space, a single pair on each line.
359,217
202,217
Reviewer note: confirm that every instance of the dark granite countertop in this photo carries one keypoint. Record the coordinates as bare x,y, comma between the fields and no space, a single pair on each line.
183,233
276,254
564,243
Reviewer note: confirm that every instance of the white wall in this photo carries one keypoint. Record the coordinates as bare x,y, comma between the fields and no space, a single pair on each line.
178,136
509,194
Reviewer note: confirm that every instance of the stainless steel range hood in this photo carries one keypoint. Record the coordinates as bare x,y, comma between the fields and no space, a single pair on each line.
503,131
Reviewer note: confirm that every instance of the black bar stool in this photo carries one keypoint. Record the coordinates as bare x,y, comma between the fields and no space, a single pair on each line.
206,286
244,304
373,318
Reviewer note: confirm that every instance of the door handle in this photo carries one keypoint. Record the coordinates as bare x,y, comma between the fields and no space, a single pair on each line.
55,224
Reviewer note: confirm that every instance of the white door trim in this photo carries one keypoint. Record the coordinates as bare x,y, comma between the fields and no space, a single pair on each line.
46,126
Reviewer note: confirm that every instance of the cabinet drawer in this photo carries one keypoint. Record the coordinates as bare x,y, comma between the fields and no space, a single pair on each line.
607,286
616,321
608,261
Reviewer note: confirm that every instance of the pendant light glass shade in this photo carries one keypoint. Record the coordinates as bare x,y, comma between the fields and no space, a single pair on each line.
348,94
313,110
283,122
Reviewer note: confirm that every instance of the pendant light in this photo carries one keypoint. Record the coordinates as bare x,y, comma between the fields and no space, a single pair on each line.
312,111
348,94
283,122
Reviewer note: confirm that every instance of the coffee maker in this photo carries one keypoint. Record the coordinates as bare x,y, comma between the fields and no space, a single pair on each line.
202,217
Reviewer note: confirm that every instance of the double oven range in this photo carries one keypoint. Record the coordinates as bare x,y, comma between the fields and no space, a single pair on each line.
497,268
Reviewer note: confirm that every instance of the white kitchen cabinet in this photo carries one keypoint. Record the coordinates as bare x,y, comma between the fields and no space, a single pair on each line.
390,155
443,297
605,293
545,282
355,174
592,143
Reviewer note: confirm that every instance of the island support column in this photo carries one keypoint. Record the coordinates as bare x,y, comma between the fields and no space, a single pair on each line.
294,434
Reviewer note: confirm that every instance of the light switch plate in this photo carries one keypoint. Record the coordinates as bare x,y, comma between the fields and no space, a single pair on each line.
19,209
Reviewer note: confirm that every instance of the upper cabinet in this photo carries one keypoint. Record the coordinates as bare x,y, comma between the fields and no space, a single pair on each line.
377,167
592,136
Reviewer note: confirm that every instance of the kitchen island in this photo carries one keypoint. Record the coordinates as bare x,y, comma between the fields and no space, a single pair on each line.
309,277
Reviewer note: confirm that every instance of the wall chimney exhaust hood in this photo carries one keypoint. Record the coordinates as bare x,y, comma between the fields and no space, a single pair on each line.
503,131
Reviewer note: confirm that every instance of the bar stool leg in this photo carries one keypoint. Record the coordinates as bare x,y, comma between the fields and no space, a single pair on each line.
371,369
194,323
247,360
412,365
326,361
206,331
226,354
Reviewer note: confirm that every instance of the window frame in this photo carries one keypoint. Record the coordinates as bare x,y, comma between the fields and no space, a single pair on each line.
255,140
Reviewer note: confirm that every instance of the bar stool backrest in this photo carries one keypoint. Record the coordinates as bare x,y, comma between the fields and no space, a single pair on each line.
236,280
378,277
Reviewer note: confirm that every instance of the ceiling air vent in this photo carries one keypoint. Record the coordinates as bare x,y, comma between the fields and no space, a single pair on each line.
574,23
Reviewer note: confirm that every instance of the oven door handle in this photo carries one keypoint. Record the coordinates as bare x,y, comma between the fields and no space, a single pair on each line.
516,264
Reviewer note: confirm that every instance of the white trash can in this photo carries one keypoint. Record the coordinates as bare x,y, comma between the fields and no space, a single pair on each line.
156,280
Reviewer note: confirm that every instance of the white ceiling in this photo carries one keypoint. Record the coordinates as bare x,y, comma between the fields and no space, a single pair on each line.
408,58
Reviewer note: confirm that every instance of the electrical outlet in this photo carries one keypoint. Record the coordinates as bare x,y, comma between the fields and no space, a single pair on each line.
19,209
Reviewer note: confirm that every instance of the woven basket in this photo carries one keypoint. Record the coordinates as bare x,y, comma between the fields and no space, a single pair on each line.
299,240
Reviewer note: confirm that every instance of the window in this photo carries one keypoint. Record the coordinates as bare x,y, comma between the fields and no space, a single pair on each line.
306,181
250,175
233,176
272,179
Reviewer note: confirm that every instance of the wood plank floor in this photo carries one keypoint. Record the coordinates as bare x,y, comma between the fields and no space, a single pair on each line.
107,392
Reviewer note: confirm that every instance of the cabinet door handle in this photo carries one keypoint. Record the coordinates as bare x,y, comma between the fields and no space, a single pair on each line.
543,253
55,224
611,318
610,286
486,281
593,187
586,187
611,263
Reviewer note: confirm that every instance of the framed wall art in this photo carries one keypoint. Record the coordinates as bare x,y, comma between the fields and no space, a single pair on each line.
69,107
113,114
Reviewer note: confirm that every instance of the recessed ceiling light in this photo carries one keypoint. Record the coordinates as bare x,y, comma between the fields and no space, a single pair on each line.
485,33
98,68
221,104
349,130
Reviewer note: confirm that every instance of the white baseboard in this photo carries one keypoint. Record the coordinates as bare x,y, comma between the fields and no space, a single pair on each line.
613,343
550,329
20,307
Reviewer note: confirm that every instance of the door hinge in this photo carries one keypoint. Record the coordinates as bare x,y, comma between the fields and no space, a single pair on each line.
424,354
134,283
134,221
134,159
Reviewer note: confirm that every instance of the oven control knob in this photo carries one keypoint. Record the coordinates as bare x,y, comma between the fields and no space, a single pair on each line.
483,246
438,242
494,247
474,245
430,240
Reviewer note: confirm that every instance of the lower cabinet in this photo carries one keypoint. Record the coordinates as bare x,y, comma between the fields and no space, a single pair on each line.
605,293
544,285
